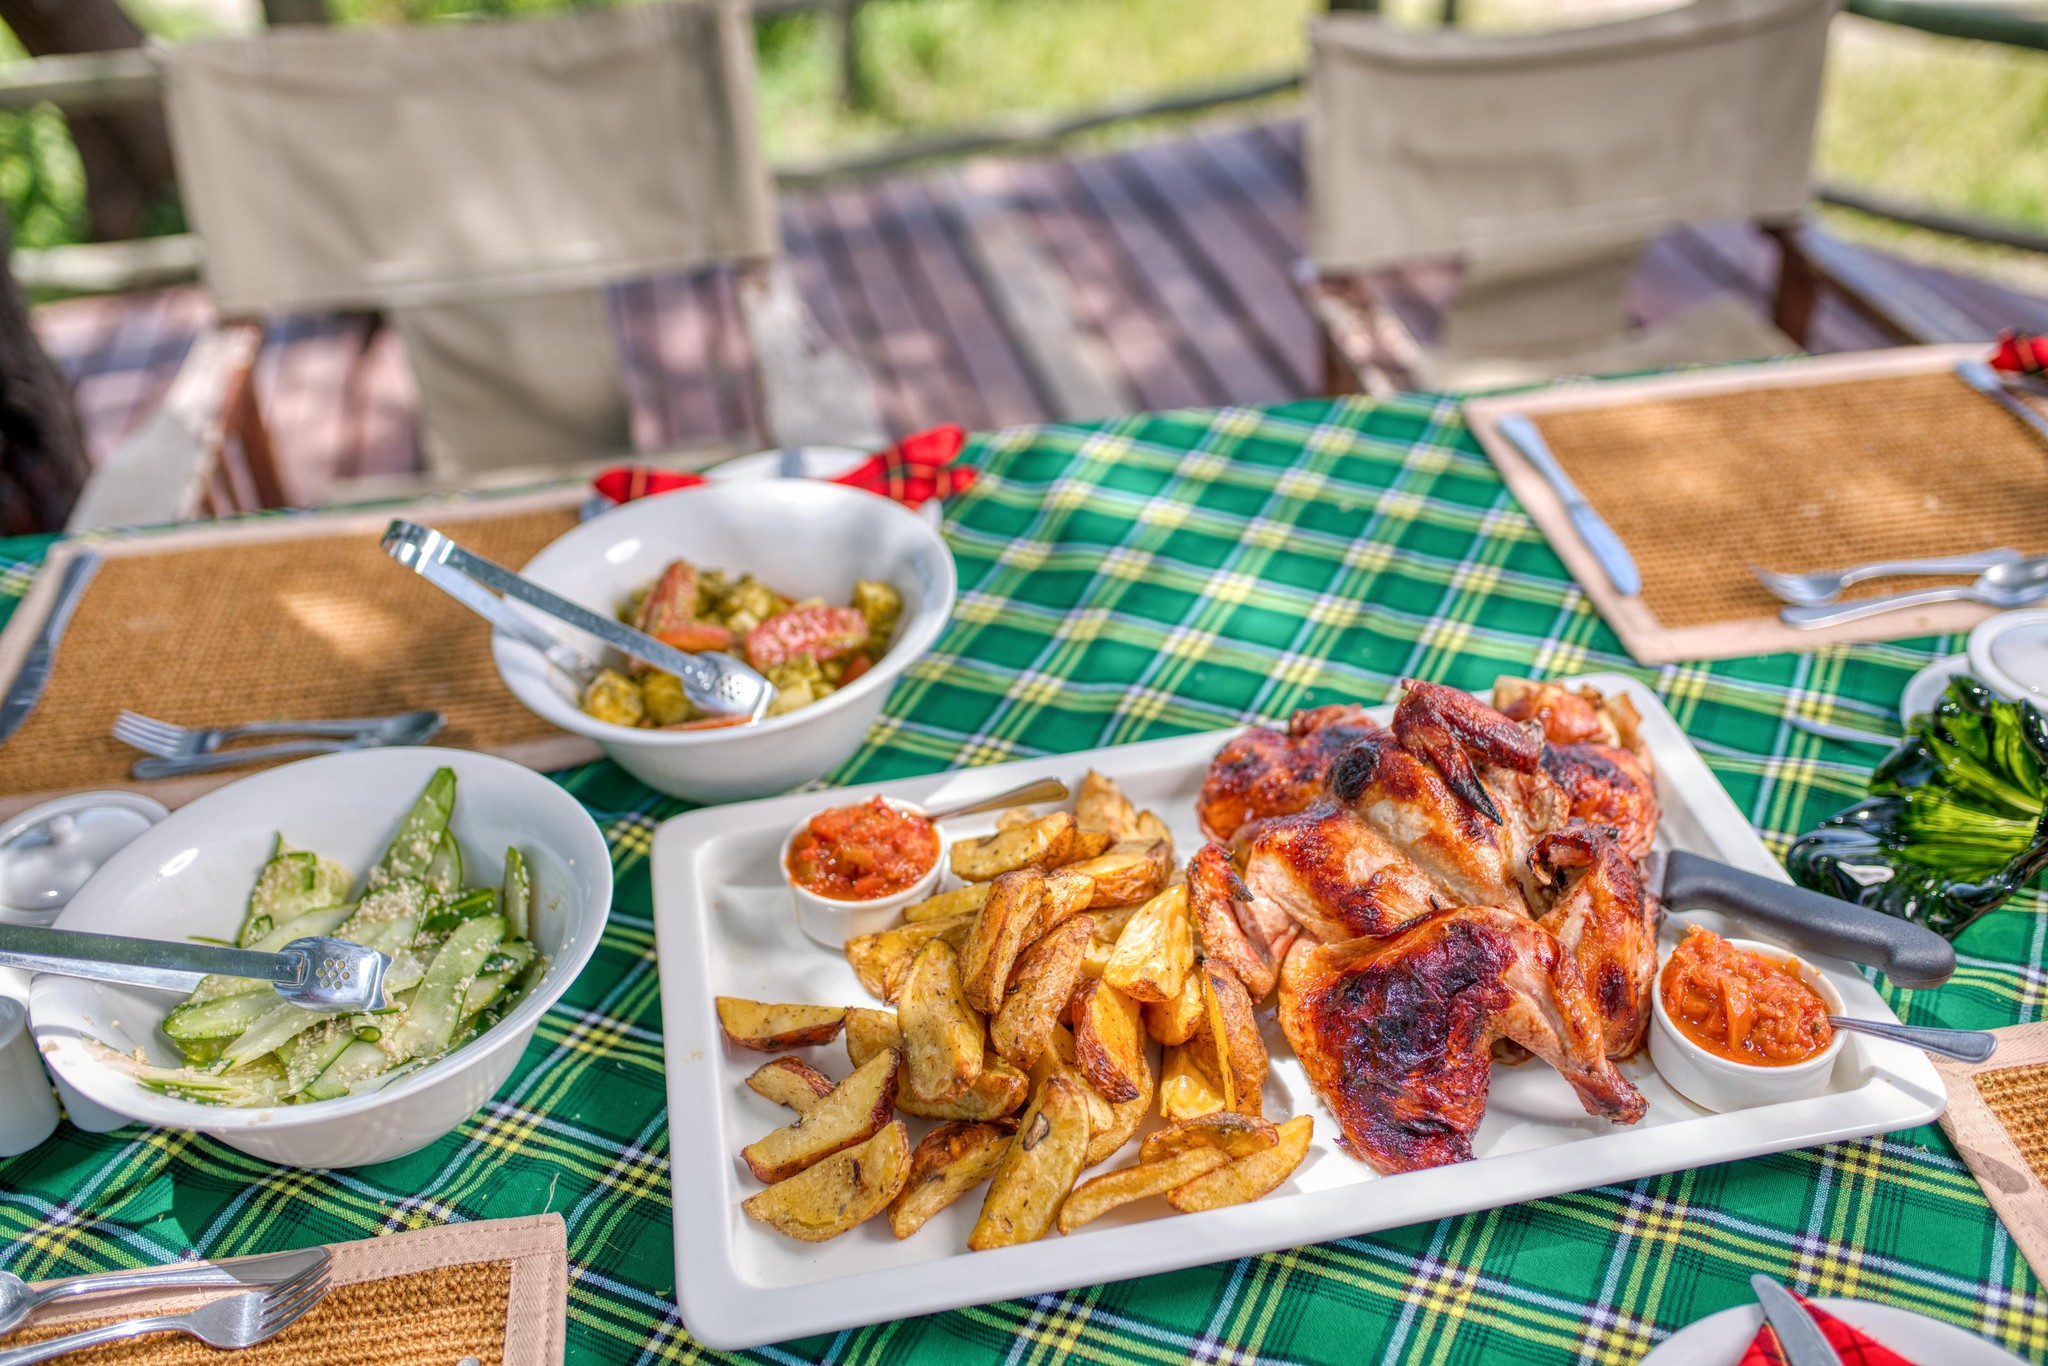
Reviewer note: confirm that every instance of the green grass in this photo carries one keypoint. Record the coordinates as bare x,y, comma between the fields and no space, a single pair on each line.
1960,125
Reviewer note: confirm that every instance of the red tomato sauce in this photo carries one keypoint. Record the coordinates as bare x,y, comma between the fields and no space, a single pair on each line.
864,852
1742,1006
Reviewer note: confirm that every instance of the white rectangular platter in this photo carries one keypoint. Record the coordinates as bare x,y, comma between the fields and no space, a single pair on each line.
725,925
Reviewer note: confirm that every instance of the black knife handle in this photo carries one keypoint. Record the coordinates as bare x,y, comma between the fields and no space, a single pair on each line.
1911,955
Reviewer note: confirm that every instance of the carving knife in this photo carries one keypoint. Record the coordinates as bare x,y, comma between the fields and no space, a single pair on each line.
28,685
1599,537
1798,1334
1911,955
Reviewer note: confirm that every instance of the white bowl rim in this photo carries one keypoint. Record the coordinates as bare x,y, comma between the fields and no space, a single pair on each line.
170,1112
1813,977
917,633
1977,653
928,878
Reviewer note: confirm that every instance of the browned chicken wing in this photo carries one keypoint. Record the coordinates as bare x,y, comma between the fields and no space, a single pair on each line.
1335,874
1224,927
1265,773
1395,1033
1606,785
1451,728
1608,924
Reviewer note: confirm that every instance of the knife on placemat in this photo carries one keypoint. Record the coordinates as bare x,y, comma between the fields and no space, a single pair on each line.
27,688
1599,537
1798,1334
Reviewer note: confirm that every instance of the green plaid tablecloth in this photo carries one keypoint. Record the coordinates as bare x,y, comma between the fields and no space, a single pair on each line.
1144,577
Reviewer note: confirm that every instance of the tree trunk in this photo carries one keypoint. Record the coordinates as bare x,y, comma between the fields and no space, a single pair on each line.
42,456
126,152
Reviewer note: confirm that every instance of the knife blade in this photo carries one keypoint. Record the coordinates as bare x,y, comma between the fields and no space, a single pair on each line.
27,688
1618,564
1798,1334
1911,955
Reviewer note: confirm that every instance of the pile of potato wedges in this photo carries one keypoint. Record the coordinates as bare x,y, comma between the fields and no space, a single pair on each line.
1025,1005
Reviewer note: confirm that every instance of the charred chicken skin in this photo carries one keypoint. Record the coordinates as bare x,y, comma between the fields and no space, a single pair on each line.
1605,920
1226,933
1395,1033
1265,772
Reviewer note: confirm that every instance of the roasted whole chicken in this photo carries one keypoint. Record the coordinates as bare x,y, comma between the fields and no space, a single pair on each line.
1458,886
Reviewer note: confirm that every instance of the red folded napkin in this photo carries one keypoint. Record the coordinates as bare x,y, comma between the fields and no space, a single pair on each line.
2021,353
916,469
1854,1346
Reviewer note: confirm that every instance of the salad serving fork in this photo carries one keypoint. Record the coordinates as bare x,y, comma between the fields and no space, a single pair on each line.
232,1322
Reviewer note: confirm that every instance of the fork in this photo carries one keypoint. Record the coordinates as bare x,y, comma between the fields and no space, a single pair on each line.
168,740
1825,585
236,1321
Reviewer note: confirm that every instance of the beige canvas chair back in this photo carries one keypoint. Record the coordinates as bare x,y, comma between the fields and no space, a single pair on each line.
480,182
1548,161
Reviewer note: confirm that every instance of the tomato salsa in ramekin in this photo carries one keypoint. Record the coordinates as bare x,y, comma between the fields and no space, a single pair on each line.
851,868
1742,1006
862,852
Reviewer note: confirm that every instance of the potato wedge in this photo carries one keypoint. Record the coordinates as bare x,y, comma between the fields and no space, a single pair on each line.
792,1082
1185,1090
943,1039
825,1200
1178,1020
1099,1195
1001,931
1101,805
947,1163
1086,844
1044,982
855,1111
1233,1134
869,1032
1151,827
1127,873
1067,894
960,901
1247,1178
1229,1045
772,1028
1058,1061
1014,817
1156,950
1042,843
880,960
998,1091
1025,1194
1126,1117
1109,1041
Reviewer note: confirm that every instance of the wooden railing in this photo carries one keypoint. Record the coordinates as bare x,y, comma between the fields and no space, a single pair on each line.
101,79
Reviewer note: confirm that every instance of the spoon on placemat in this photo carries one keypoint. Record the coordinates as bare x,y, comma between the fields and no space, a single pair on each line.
2015,583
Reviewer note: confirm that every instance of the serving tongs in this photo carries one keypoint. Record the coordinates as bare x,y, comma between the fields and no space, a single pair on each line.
716,682
316,972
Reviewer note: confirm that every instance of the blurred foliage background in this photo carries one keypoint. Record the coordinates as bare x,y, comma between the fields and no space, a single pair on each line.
1937,121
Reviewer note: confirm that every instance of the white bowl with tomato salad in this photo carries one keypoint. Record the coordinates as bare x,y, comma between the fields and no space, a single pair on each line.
1737,1023
852,868
808,539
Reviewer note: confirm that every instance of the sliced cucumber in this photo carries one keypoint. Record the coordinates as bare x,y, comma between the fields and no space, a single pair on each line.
357,1062
388,917
294,882
497,973
437,1006
419,834
323,921
307,1056
518,894
469,905
223,1017
444,869
272,1030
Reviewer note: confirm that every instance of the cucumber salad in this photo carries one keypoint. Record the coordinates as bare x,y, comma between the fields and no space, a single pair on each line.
460,960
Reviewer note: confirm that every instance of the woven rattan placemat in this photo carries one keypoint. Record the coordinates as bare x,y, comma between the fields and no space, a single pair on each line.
1997,1117
1811,464
303,619
494,1290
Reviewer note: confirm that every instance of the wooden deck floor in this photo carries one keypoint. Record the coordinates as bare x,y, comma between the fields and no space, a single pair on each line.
1175,260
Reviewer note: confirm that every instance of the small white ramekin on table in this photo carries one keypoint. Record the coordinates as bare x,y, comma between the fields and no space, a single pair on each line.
803,538
190,874
832,922
2009,653
1715,1083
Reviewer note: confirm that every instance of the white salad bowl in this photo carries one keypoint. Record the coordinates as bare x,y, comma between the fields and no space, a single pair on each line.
190,875
803,538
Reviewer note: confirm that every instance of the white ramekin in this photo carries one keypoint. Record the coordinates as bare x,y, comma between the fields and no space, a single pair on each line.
832,922
1715,1083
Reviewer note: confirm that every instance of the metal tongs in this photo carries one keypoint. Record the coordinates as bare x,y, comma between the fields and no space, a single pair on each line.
316,972
717,682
